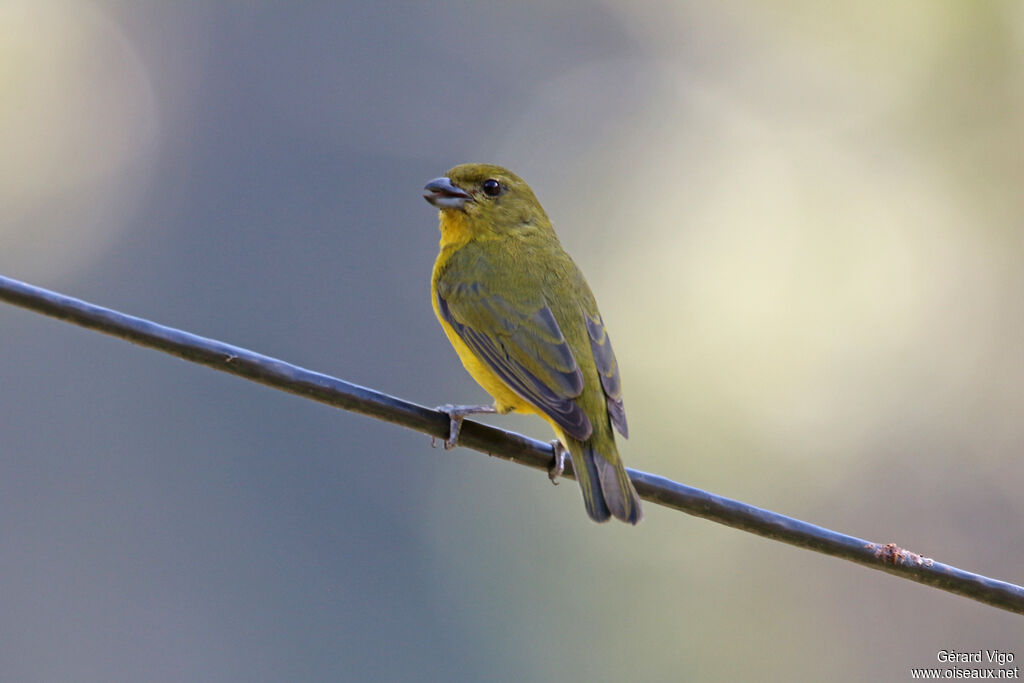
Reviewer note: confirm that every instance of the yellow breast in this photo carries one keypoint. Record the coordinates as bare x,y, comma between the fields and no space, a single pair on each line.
455,232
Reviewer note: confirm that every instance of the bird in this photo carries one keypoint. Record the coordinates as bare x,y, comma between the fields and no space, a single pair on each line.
525,324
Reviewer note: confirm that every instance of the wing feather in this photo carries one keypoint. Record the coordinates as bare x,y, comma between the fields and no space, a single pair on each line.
524,346
608,369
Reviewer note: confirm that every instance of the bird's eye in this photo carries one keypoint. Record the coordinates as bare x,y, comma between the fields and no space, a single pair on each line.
492,188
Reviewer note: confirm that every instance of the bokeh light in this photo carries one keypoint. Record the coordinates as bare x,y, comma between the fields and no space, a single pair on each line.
78,134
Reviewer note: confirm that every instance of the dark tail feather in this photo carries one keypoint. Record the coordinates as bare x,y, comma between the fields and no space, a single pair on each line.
589,480
607,490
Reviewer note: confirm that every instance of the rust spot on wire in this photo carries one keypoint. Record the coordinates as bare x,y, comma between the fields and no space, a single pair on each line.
890,553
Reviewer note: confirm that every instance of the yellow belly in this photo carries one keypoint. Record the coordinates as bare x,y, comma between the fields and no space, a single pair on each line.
505,400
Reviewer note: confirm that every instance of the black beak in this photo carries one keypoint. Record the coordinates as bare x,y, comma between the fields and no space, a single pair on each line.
444,195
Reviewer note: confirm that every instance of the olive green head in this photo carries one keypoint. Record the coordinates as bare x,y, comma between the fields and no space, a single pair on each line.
490,196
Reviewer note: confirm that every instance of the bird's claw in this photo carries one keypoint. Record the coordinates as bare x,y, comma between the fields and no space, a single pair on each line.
558,463
456,414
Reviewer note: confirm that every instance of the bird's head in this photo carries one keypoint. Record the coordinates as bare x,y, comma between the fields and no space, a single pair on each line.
488,197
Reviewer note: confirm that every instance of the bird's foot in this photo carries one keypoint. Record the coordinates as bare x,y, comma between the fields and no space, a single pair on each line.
558,464
456,414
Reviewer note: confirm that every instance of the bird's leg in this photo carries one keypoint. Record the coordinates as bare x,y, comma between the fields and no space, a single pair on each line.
456,414
558,464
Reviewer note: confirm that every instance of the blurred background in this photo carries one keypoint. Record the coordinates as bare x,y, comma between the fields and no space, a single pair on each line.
803,222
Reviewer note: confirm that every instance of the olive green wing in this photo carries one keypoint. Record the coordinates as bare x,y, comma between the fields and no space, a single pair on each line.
522,343
608,370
